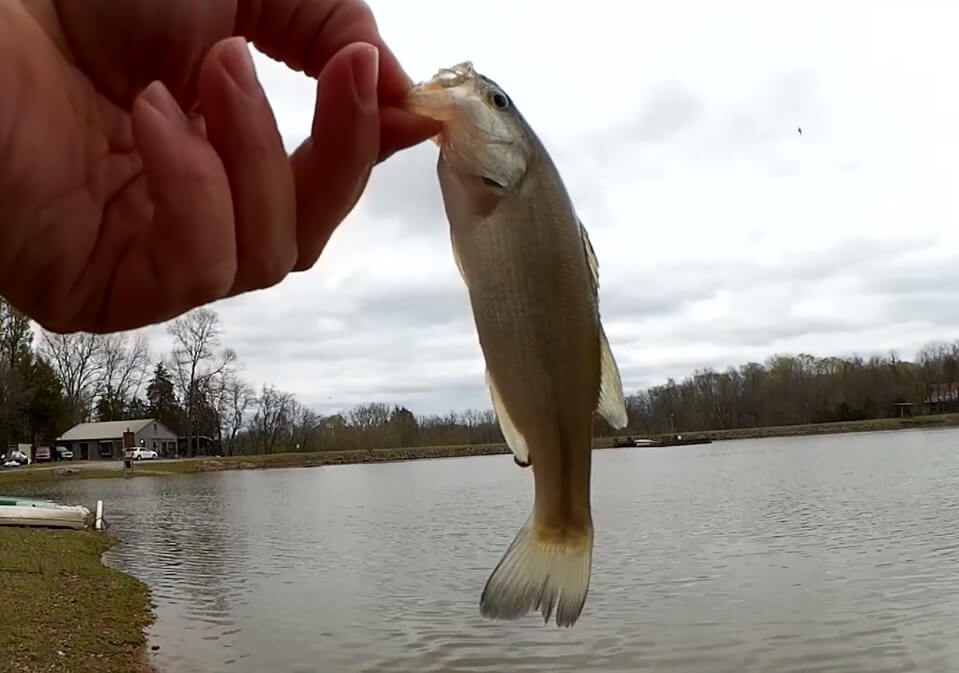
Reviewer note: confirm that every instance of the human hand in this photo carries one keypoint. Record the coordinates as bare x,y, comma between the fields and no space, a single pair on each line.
117,210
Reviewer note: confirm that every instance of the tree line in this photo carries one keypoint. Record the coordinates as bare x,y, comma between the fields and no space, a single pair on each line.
792,390
50,382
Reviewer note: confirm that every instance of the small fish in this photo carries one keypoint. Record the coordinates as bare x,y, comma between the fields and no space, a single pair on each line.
533,283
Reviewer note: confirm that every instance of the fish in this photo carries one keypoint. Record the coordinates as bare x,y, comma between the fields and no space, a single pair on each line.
532,278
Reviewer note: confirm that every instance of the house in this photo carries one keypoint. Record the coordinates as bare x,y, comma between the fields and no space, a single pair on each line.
942,397
202,445
105,440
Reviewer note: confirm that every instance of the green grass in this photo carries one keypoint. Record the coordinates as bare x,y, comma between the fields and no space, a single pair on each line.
22,475
27,475
63,610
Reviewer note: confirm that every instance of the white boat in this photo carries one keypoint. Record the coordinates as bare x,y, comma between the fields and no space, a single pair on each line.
44,514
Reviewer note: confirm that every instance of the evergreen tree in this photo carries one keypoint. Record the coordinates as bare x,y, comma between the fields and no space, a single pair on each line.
162,402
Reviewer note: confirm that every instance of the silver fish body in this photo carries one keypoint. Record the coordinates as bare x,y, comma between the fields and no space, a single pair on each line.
532,279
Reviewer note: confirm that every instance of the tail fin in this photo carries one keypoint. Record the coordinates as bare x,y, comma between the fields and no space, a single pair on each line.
534,575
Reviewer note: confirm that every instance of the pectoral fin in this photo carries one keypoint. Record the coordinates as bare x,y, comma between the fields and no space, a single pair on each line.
514,439
612,404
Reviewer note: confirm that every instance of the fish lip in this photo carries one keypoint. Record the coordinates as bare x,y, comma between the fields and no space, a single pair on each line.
456,74
436,98
431,99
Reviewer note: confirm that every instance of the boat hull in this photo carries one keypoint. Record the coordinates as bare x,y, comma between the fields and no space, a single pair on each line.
45,515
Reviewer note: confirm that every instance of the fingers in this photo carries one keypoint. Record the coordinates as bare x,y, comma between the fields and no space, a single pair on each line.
241,127
332,167
123,46
232,212
400,129
191,247
305,34
278,212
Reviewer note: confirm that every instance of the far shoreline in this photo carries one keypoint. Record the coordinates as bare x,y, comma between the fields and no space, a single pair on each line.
80,470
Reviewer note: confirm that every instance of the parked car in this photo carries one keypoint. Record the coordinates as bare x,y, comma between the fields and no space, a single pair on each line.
62,453
42,454
14,458
143,453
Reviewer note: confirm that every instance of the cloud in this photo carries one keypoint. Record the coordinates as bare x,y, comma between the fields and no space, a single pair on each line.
723,235
670,109
404,192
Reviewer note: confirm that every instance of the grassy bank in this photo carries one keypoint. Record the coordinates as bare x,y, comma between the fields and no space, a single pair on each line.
875,425
79,470
63,610
149,469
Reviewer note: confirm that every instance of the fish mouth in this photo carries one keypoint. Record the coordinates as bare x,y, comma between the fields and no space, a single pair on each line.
438,98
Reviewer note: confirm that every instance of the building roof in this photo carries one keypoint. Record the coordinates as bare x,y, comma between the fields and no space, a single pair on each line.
106,430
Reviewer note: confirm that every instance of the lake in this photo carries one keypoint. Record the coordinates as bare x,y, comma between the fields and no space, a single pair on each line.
819,554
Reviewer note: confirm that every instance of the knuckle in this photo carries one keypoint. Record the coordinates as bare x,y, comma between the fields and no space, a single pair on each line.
210,285
362,13
268,269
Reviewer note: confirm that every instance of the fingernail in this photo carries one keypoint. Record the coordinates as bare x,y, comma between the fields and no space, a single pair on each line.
366,73
238,63
157,96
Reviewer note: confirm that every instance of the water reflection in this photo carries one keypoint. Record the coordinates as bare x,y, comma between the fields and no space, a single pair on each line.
817,555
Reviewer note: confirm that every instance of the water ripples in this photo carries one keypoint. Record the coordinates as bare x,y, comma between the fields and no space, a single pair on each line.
816,555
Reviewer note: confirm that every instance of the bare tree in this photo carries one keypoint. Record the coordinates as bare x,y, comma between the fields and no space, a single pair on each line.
369,422
234,401
272,419
197,359
304,428
77,360
16,337
124,363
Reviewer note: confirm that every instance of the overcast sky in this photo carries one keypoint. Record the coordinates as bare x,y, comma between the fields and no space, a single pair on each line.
723,235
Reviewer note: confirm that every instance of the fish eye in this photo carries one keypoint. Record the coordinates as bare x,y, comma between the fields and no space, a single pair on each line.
500,100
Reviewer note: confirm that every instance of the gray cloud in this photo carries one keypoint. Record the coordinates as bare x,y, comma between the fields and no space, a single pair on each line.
419,307
414,344
773,111
405,190
934,307
763,334
915,275
670,109
794,243
675,129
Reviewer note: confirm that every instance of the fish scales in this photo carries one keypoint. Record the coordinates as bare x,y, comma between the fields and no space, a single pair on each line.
532,280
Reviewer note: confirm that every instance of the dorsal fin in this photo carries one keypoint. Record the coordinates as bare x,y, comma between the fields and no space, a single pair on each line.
590,258
612,403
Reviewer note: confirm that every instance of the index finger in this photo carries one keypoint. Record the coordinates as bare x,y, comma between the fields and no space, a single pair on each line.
305,34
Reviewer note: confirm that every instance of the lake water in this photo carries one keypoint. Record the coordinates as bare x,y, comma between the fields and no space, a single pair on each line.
836,554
